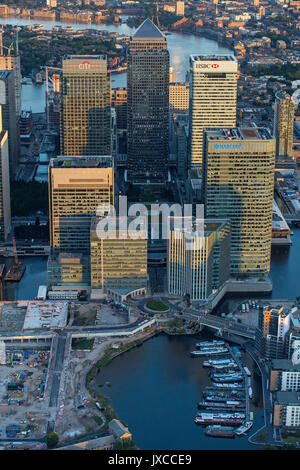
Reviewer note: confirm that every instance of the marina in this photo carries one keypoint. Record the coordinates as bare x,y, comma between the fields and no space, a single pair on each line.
229,406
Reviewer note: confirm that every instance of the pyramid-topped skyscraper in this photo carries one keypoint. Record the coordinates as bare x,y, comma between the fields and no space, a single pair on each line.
148,105
148,30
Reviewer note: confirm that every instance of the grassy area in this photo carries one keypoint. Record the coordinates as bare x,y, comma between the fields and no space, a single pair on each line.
262,436
157,305
98,420
291,439
82,343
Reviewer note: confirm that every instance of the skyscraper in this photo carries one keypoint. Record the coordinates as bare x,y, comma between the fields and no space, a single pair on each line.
85,106
148,105
118,261
238,184
9,121
274,324
12,62
198,258
5,213
179,96
284,124
213,95
77,187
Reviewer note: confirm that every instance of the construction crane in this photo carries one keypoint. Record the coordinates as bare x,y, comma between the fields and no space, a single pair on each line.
15,252
47,91
157,19
15,272
2,47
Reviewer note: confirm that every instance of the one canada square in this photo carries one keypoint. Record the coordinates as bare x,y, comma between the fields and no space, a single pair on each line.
148,105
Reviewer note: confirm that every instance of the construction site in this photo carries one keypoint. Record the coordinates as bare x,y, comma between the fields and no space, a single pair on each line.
22,385
46,350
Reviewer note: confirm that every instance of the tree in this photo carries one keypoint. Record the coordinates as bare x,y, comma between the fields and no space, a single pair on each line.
52,440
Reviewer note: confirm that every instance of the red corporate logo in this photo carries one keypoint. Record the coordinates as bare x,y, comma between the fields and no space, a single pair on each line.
215,66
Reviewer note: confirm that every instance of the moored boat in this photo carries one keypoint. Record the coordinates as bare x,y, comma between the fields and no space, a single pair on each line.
209,352
244,428
216,430
210,344
233,419
234,385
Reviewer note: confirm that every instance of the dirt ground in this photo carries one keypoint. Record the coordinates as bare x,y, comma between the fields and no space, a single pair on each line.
24,407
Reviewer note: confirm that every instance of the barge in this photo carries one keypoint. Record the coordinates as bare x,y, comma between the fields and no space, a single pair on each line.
234,419
219,431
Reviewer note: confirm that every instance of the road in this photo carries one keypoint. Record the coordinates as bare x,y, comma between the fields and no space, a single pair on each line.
59,361
271,436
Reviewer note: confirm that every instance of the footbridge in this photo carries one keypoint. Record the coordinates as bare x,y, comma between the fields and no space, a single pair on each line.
221,325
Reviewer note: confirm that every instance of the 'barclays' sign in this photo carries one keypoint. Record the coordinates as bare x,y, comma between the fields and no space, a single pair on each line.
229,146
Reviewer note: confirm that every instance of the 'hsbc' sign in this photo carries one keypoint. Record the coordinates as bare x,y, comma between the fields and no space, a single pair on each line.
207,66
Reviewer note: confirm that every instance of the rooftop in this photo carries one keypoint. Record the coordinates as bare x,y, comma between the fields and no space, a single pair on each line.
288,398
239,133
103,161
45,315
200,227
85,57
227,58
285,364
148,30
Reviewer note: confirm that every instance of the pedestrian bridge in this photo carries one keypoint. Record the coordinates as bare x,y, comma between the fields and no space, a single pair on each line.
221,325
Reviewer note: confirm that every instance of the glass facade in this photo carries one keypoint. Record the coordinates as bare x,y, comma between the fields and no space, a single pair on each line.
238,184
85,106
148,105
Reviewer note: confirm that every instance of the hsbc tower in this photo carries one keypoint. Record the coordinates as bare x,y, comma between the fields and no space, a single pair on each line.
213,96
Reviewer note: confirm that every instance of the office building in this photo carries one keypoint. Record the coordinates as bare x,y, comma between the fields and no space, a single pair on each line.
180,8
148,105
238,184
78,187
118,261
179,129
171,75
274,324
179,96
286,411
5,212
12,62
284,124
85,120
119,102
213,96
70,270
198,257
9,120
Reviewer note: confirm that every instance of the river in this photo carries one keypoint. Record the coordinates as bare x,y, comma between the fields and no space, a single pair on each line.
181,46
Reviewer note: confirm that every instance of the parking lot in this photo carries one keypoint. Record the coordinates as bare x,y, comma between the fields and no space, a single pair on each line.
247,313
